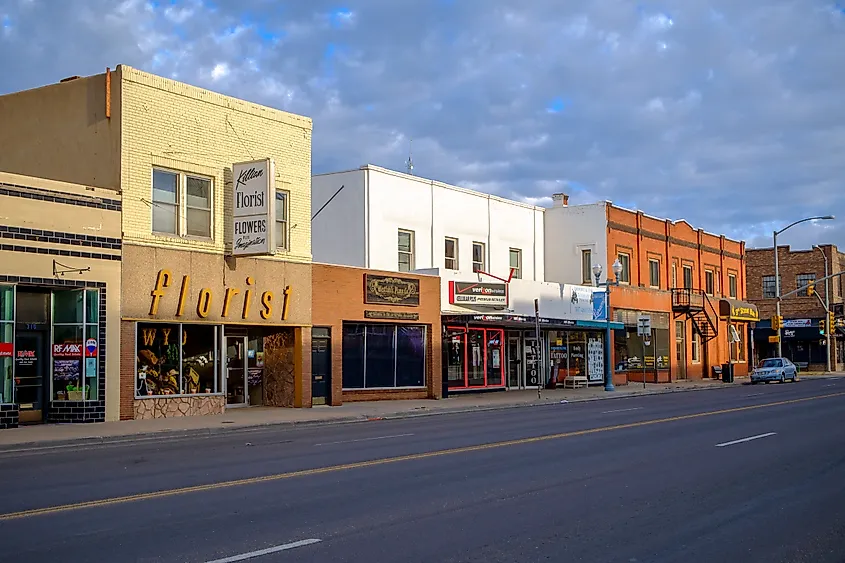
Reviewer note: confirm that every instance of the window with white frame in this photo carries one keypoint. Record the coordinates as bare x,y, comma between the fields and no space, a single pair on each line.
451,253
732,285
674,275
406,250
516,263
282,198
710,282
654,272
696,347
478,255
181,204
625,273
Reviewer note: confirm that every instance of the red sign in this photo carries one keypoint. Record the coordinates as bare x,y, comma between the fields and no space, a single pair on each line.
90,348
6,349
67,350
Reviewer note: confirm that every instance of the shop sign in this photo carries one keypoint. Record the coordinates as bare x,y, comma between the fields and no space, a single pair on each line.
391,290
473,293
392,315
789,334
26,358
205,299
90,348
67,350
797,323
579,299
254,208
738,310
6,349
599,308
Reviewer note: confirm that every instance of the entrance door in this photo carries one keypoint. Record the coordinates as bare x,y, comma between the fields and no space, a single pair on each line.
31,375
236,371
321,366
515,374
680,350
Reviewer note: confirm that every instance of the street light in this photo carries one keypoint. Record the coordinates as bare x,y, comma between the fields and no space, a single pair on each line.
597,270
826,302
777,270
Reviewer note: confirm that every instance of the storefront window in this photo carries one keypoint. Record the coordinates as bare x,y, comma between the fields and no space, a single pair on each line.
7,343
475,358
475,369
494,358
383,356
455,355
738,348
75,345
628,345
174,359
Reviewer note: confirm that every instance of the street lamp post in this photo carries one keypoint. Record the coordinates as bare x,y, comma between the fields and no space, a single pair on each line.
826,304
777,271
608,366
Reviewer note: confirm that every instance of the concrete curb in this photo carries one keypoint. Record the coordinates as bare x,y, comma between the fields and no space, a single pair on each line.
151,436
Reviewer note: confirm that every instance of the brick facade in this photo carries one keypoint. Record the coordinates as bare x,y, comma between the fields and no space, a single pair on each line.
675,246
338,296
791,265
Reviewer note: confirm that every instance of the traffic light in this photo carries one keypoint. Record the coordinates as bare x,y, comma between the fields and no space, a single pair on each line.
831,320
822,326
777,322
811,289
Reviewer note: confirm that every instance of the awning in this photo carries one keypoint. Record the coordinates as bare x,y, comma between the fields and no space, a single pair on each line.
525,321
735,310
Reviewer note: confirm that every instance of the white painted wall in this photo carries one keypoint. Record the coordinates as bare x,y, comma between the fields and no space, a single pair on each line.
434,211
338,233
568,231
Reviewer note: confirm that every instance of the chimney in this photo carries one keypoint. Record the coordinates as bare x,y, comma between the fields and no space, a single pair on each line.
560,200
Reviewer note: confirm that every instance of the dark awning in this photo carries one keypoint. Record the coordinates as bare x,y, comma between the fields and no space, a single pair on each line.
735,310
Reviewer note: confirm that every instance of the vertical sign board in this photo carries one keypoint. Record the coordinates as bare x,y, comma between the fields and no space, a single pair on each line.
254,208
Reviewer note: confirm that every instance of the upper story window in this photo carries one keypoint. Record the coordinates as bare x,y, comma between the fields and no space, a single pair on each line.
181,204
654,273
687,277
451,253
674,275
406,250
478,255
802,280
732,285
587,267
710,282
769,289
516,263
625,274
282,211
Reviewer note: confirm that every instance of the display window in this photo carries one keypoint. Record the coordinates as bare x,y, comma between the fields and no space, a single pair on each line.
75,346
383,356
176,359
474,358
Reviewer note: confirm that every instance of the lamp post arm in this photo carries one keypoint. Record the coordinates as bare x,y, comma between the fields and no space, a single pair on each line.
789,226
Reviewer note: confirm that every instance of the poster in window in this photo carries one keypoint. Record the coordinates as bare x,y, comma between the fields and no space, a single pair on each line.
496,360
595,360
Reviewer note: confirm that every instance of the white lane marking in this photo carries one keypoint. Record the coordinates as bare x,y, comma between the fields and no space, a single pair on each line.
757,437
754,395
364,439
623,410
829,385
263,552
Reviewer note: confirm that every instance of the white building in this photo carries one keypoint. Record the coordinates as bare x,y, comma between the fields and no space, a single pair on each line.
575,238
490,255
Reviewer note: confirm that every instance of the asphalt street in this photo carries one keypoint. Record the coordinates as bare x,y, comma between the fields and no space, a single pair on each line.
747,473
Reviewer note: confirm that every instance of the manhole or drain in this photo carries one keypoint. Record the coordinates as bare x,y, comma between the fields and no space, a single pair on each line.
228,422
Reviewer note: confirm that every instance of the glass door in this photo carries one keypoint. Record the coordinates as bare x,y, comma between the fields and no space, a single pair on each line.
236,371
514,362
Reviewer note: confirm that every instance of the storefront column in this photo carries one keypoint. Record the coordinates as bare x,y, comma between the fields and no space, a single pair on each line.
302,367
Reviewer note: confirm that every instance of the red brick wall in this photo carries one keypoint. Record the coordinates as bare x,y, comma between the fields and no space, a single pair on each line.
127,370
338,295
679,244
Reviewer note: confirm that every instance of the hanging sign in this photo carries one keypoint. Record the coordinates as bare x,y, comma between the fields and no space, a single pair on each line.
254,207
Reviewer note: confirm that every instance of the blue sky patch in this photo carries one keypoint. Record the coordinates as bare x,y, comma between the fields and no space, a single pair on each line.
557,105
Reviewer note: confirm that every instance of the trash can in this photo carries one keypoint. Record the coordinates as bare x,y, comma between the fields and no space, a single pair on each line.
728,373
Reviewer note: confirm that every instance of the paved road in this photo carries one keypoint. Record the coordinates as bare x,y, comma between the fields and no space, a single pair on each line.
648,479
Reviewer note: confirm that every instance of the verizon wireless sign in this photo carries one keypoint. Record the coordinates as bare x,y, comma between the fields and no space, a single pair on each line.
471,293
254,209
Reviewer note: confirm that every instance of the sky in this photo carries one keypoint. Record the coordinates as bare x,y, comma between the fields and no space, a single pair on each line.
728,114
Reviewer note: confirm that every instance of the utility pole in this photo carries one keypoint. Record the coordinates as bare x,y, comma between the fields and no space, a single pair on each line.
826,305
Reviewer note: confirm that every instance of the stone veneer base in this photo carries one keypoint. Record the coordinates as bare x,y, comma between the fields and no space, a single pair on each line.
168,407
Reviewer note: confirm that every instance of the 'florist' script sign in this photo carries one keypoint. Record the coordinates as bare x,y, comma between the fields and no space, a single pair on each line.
254,207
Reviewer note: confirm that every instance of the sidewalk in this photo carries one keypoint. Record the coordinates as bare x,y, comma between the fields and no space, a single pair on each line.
133,430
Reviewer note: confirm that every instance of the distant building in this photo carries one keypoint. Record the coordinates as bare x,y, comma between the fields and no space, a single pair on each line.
690,282
803,342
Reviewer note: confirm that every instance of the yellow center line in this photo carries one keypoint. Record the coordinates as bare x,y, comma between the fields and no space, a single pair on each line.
387,460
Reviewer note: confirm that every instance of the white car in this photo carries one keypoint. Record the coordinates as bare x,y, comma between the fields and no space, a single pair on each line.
774,369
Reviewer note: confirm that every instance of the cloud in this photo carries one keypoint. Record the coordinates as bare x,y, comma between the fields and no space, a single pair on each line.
725,113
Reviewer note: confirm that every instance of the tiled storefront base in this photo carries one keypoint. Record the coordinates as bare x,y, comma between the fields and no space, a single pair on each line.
161,407
386,395
8,415
77,411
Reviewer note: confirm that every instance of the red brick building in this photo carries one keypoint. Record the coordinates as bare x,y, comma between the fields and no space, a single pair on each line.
690,282
376,335
802,342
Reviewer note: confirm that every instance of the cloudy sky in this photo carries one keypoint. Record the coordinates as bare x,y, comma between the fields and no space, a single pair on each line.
727,113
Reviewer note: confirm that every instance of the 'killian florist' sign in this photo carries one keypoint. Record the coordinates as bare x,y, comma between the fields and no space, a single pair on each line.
254,215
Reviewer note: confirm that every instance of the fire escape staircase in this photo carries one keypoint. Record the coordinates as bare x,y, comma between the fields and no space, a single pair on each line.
699,308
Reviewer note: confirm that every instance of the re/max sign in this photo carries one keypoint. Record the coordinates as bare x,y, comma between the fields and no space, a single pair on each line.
267,305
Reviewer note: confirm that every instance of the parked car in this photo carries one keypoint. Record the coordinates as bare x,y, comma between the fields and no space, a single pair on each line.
774,369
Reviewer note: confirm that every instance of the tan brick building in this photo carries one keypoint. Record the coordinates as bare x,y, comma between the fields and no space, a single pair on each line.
201,329
376,335
802,340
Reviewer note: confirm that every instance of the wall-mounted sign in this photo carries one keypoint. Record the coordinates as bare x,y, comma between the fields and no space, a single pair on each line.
67,350
520,319
474,293
797,323
392,315
268,307
391,290
6,349
254,207
738,310
599,306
